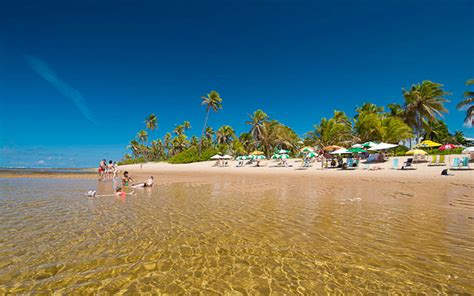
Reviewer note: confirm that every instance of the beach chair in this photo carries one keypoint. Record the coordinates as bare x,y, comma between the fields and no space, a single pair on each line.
461,164
395,164
441,160
408,165
455,163
434,161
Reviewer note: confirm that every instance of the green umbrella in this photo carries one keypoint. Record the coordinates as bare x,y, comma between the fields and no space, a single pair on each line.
311,155
357,150
283,156
368,144
275,156
259,157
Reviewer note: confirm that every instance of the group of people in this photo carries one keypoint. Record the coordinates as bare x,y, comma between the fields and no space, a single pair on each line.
107,170
110,171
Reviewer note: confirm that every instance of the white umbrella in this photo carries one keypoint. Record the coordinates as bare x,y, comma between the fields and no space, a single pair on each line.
468,150
217,156
226,157
382,146
341,151
357,146
283,151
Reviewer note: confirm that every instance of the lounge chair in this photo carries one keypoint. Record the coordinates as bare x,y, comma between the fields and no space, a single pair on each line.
461,164
408,165
441,160
434,161
395,164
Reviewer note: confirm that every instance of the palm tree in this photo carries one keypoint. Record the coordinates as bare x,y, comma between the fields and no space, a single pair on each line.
168,145
247,141
225,134
151,122
396,110
424,102
135,147
186,125
211,101
468,103
256,122
394,130
179,130
209,135
142,136
459,138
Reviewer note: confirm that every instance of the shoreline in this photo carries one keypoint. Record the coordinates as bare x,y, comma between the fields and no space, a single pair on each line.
207,169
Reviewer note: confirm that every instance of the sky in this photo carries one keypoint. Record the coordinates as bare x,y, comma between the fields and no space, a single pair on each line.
78,78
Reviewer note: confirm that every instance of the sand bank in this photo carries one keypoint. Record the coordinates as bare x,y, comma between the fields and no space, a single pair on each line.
269,168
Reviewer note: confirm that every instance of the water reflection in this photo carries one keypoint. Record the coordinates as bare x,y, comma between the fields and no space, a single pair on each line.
234,234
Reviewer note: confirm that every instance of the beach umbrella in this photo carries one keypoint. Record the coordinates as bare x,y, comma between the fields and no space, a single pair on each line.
226,157
311,155
275,156
333,148
283,156
428,144
357,146
259,157
256,152
356,150
217,156
341,151
382,146
468,150
306,149
368,144
447,147
283,151
416,152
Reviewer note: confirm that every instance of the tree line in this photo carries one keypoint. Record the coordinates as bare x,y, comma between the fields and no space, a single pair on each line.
419,116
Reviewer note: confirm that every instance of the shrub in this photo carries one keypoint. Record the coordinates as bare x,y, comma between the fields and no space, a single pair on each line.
131,161
436,151
192,155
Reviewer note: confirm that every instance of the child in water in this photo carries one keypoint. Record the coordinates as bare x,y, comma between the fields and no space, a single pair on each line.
127,180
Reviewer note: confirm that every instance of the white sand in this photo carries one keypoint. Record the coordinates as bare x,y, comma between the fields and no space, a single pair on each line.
268,168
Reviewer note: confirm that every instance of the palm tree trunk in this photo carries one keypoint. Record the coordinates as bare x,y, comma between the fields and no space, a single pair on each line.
203,130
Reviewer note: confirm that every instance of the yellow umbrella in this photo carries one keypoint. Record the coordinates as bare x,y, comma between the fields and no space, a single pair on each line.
256,152
416,152
428,144
333,148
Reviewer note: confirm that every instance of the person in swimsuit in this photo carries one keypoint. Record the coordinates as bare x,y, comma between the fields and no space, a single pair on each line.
126,180
148,183
110,170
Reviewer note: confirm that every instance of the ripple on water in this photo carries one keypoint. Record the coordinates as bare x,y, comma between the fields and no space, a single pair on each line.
236,235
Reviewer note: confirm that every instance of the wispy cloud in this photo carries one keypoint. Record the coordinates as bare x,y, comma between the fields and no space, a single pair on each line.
43,70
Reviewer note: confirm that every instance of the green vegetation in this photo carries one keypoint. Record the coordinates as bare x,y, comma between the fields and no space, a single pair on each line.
468,103
419,115
192,155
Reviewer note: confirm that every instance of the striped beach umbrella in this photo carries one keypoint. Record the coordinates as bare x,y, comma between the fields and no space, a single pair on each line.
259,157
311,155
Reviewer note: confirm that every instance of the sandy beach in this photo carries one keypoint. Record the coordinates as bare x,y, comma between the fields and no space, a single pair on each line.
269,168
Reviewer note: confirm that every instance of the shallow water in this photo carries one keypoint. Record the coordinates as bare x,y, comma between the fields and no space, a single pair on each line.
239,235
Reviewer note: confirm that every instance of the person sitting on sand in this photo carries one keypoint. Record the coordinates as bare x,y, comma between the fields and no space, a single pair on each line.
127,180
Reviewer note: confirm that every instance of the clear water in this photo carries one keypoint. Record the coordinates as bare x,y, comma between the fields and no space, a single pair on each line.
237,235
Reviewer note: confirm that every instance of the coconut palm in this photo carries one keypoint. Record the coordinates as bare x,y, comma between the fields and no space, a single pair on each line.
256,122
225,134
142,136
459,138
247,141
394,130
424,102
186,125
211,101
334,131
468,103
396,110
178,130
151,122
167,144
135,147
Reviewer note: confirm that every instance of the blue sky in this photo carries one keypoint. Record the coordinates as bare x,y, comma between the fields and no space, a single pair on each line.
77,78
